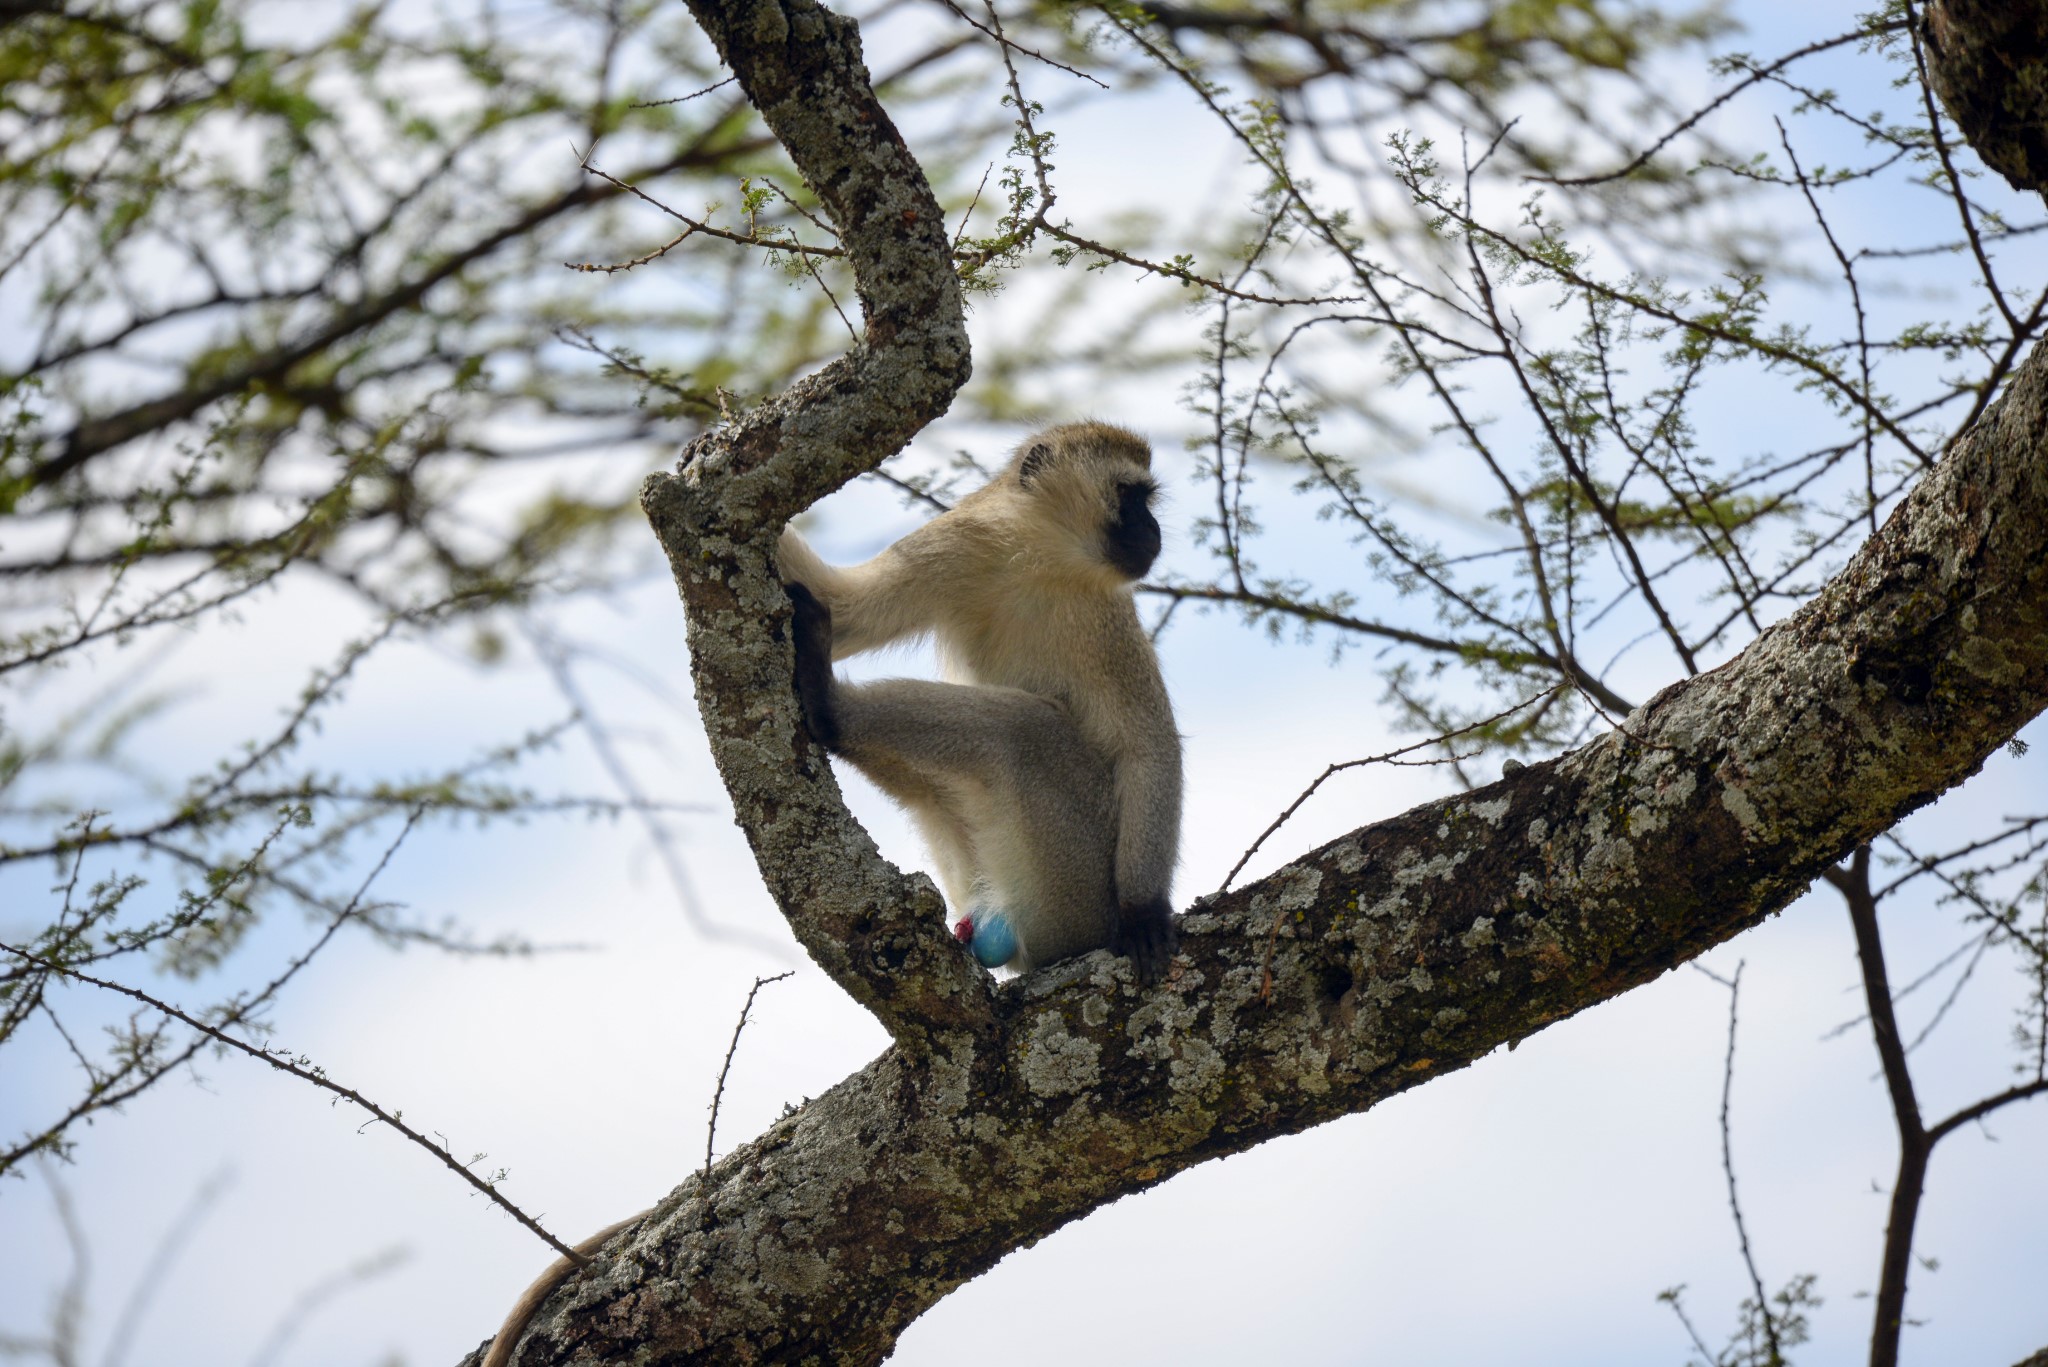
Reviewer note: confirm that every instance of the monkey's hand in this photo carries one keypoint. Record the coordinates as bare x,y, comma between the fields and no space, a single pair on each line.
812,627
1146,935
798,563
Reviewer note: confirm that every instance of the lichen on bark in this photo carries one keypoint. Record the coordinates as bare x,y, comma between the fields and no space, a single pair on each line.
1988,61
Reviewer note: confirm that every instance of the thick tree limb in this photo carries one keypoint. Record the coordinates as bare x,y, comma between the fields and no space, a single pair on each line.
1988,60
1400,952
879,933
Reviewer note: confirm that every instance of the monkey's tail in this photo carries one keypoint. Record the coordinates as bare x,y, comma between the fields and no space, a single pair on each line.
557,1273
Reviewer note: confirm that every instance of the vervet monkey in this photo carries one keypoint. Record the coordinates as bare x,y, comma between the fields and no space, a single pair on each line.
1046,773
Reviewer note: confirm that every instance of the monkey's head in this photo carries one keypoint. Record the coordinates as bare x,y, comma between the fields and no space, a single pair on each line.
1091,485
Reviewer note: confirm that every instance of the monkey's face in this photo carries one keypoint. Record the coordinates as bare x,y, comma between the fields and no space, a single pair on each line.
1088,488
1131,542
1096,509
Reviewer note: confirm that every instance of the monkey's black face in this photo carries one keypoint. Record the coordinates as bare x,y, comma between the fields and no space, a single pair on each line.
1132,542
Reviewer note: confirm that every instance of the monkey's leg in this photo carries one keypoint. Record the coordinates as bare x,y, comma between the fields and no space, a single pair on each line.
1004,778
817,691
1019,811
1147,936
1148,782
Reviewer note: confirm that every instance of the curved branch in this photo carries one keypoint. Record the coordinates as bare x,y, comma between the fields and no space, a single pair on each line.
878,933
1978,1110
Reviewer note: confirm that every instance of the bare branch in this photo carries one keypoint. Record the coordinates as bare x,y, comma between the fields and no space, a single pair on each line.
876,932
718,1093
306,1070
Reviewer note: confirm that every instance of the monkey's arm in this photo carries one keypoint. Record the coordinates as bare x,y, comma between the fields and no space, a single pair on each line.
872,605
1148,785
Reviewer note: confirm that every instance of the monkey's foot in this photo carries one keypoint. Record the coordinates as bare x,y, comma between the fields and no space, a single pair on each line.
1147,936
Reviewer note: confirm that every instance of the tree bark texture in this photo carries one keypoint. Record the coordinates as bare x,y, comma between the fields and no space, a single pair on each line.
1988,61
1402,951
874,930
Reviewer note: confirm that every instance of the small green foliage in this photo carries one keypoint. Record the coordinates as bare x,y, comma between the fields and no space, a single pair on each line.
1751,1342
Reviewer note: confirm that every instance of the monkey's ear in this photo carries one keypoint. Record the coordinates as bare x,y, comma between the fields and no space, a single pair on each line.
1035,461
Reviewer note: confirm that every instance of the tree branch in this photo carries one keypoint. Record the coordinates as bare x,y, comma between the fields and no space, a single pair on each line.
1915,1145
1988,60
879,933
1403,951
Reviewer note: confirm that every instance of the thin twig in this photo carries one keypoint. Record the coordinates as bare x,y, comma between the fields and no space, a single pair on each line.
718,1095
972,205
905,486
1009,42
307,1071
1978,1110
684,99
555,657
1389,757
1756,1281
1954,178
1692,120
1848,266
691,227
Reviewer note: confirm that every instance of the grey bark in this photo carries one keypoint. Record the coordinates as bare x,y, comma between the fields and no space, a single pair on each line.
1988,61
1405,950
